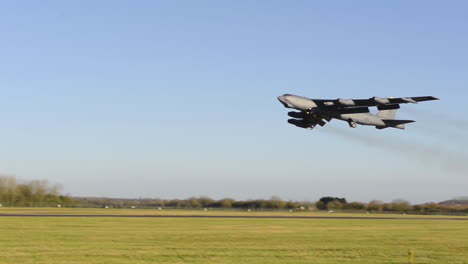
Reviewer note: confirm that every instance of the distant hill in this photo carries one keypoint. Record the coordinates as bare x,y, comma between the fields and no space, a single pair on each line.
459,200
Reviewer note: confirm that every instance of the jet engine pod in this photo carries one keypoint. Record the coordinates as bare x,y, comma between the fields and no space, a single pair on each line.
301,123
381,100
297,114
346,102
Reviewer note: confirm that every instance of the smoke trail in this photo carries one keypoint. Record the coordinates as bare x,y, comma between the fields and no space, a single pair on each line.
439,118
449,160
441,133
442,126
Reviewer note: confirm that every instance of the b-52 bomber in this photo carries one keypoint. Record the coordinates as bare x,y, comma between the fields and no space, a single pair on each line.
314,112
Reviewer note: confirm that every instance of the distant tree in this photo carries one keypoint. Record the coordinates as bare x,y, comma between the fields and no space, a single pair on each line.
206,202
65,200
194,203
51,199
226,203
320,205
39,190
28,193
275,203
328,199
292,205
11,195
419,208
400,205
375,205
24,195
355,206
334,205
182,203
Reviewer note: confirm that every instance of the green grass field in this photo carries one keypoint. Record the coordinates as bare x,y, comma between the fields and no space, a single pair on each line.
188,240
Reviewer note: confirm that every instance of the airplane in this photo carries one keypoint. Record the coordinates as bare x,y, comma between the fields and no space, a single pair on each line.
354,111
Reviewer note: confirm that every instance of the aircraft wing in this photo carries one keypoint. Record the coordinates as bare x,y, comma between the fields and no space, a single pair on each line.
374,101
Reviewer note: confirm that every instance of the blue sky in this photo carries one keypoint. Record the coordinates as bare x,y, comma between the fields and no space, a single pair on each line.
178,98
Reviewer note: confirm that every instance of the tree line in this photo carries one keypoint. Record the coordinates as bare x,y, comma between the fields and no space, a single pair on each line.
40,193
193,203
275,203
402,206
32,193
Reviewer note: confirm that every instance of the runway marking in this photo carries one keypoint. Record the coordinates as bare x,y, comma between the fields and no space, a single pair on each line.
240,217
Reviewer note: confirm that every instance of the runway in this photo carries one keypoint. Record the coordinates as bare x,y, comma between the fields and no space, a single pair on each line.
237,217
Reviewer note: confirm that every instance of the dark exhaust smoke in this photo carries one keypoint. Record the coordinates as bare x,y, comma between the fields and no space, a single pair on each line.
443,126
438,118
449,160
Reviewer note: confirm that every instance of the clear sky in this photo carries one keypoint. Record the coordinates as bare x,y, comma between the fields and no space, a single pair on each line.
174,99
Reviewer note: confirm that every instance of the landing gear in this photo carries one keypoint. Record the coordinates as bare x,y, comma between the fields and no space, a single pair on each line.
352,123
311,113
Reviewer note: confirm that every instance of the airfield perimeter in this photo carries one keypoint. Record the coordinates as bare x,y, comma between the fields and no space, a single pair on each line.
199,213
152,213
175,238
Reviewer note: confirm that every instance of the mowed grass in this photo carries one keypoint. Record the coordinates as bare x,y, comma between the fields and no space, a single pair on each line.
192,240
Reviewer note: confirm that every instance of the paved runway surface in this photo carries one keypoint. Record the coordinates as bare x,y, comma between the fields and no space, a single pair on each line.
240,217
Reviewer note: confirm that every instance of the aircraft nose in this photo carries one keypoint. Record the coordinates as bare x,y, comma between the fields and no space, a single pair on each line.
283,100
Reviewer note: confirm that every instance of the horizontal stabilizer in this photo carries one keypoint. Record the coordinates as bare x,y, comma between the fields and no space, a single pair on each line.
397,123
